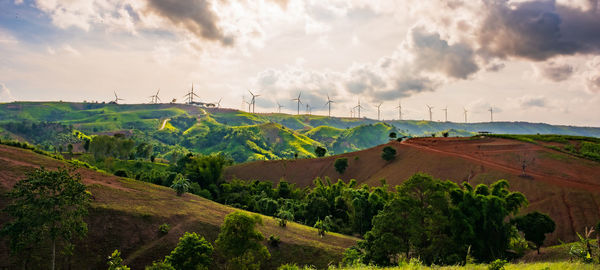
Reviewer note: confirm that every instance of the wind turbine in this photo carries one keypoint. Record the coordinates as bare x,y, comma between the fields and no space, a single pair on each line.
399,110
465,112
445,113
190,95
491,114
155,97
430,114
308,109
378,110
358,107
299,102
253,101
219,103
116,101
279,106
329,101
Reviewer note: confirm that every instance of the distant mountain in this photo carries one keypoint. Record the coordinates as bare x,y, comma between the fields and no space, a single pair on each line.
176,128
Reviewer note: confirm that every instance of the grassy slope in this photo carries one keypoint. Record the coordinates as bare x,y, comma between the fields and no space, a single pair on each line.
564,186
518,266
125,215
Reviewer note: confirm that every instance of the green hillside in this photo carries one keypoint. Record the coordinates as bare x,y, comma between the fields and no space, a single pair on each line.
173,129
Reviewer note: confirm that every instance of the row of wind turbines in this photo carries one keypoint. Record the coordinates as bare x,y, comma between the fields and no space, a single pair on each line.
354,111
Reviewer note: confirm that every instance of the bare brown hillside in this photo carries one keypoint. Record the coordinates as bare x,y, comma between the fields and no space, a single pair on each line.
125,215
564,186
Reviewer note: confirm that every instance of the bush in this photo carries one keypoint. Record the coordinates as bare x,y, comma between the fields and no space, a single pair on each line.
445,134
160,266
274,241
340,165
115,262
497,265
192,252
352,256
240,241
164,228
180,185
388,153
121,173
283,217
320,151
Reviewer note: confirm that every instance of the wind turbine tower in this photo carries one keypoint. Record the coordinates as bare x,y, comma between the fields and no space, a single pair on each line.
279,106
379,110
430,114
329,101
116,101
299,102
190,95
399,110
155,98
491,114
253,101
445,113
307,109
465,112
358,107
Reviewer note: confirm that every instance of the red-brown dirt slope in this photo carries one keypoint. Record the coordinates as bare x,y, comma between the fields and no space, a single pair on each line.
564,186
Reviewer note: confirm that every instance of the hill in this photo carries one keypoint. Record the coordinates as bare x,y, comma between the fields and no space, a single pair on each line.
244,136
565,186
125,215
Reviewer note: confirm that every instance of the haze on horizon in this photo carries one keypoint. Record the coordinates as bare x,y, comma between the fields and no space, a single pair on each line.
535,61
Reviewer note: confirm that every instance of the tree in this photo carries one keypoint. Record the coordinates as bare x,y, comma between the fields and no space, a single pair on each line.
70,149
192,252
240,241
180,185
115,262
340,165
388,153
320,151
535,226
46,205
393,135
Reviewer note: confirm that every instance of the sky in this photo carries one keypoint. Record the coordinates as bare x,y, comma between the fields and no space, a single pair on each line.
533,60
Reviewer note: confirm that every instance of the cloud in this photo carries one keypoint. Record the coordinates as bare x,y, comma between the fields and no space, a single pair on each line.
435,54
537,30
532,101
196,16
5,94
592,75
555,71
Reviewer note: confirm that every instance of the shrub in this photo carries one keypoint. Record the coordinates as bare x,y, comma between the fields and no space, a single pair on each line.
445,134
192,252
180,185
283,217
352,256
274,240
388,153
393,135
160,266
164,228
497,265
121,173
320,151
240,241
115,262
340,165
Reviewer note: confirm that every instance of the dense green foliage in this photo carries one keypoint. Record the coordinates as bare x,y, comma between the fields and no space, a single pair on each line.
240,241
535,226
320,151
192,252
439,221
47,207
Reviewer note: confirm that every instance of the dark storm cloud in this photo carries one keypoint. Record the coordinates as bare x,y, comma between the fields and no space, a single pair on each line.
538,30
194,15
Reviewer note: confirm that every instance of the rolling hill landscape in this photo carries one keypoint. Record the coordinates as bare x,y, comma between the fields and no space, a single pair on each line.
125,214
172,128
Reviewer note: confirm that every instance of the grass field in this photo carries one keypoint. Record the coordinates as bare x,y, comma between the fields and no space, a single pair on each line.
510,266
